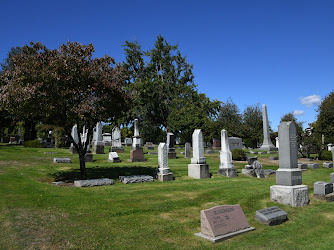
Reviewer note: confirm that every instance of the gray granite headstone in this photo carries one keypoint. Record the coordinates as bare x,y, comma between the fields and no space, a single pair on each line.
61,160
313,165
302,166
164,173
323,188
94,182
271,216
187,150
328,164
223,222
116,138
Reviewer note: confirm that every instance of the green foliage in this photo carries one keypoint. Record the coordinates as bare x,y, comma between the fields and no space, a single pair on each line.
252,125
325,155
42,130
60,137
33,144
325,118
239,155
230,119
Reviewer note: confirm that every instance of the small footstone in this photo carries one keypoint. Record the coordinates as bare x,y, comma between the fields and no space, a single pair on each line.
94,182
135,178
271,216
327,164
313,165
302,166
61,160
323,188
273,158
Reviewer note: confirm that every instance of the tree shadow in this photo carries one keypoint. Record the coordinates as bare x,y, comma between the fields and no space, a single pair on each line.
102,172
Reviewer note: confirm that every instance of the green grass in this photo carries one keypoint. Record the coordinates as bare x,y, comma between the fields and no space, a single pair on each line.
37,215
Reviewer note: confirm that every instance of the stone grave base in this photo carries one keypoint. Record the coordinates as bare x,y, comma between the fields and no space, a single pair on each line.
89,157
199,171
165,177
137,155
98,149
295,196
225,236
228,172
73,150
171,155
327,197
118,150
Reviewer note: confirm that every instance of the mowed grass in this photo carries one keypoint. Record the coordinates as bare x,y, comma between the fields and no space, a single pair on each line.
37,215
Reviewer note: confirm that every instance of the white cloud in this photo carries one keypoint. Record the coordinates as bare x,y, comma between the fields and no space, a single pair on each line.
311,100
298,112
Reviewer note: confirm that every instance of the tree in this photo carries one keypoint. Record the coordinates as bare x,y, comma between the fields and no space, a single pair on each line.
252,125
64,87
325,118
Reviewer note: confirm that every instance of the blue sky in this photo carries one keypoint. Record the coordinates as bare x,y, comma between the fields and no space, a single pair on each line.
274,52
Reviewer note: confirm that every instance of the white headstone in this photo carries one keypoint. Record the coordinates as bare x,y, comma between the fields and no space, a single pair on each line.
116,138
99,132
75,133
136,128
136,142
198,148
267,144
162,156
225,153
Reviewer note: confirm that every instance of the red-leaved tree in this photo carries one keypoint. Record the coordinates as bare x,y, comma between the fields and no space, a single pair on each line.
63,87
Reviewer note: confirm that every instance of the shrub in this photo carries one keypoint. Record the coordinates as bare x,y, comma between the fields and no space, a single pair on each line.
33,144
60,137
325,155
239,155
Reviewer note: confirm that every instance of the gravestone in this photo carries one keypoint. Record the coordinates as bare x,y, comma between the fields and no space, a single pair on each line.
128,141
267,145
235,143
137,153
226,166
332,174
274,158
209,151
277,142
135,179
327,164
313,165
61,160
106,139
323,188
254,169
94,182
164,173
216,143
289,189
253,152
113,157
198,168
223,222
98,145
187,150
116,142
170,145
74,134
302,166
271,216
89,157
149,146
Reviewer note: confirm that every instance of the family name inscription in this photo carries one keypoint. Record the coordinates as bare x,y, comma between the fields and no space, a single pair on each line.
271,216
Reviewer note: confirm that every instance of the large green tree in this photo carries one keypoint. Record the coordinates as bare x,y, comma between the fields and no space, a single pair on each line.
252,125
63,87
165,96
325,118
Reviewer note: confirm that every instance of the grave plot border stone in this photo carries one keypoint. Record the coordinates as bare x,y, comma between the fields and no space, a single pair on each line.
62,160
94,182
135,179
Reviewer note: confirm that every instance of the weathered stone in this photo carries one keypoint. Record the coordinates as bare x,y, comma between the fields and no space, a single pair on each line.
269,172
198,148
323,188
273,158
258,170
135,179
226,166
61,160
116,141
248,171
313,165
271,216
98,145
113,157
234,143
199,171
164,173
57,183
149,147
223,222
128,141
137,155
296,196
187,150
267,144
89,157
327,164
136,139
107,139
251,160
94,182
302,166
209,151
216,143
332,177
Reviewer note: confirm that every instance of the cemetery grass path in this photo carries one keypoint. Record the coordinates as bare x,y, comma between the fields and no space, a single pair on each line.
37,215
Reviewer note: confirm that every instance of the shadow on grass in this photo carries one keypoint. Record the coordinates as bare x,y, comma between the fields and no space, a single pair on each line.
102,172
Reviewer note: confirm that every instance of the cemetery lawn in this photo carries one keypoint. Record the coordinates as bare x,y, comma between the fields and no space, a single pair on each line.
38,215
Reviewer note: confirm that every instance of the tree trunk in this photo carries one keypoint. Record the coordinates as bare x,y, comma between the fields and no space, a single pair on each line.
83,173
29,130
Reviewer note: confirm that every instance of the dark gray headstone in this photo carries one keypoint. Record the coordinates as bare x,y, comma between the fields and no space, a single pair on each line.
271,216
313,165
